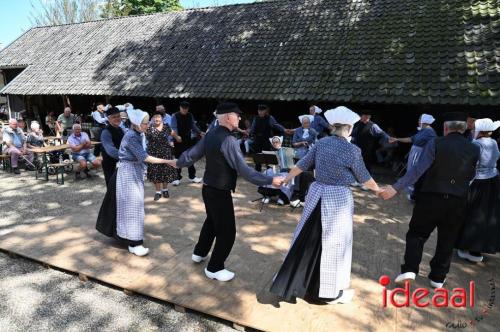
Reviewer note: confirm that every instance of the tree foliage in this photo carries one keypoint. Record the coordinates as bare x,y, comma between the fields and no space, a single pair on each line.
73,11
113,8
64,11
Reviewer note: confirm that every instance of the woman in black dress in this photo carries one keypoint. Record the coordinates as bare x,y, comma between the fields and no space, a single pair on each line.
160,141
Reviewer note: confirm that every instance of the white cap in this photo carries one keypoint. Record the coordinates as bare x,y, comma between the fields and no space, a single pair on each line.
427,119
278,137
317,110
136,115
310,117
341,115
486,124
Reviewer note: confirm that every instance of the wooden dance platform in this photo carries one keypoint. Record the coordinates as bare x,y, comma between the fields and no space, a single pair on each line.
172,226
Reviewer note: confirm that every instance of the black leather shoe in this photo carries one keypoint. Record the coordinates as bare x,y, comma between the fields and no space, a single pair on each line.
157,196
16,170
165,194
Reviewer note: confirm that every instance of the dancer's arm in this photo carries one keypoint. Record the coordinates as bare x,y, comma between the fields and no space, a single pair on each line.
232,153
192,155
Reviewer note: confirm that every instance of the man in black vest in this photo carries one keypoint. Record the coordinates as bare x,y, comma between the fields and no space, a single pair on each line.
224,161
111,137
366,134
98,124
447,165
264,126
183,124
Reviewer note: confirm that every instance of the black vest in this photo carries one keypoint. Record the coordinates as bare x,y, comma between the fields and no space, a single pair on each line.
116,136
218,173
453,168
184,125
362,135
263,129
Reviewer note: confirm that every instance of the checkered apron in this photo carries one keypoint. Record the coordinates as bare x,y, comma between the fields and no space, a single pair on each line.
130,200
337,206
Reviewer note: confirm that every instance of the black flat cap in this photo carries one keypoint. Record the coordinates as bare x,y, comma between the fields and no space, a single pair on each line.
112,110
228,107
454,116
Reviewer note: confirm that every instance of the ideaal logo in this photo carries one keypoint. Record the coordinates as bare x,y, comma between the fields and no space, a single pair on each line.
460,297
485,311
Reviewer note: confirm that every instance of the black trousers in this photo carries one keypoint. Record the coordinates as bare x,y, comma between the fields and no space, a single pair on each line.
368,158
108,168
179,149
261,144
445,212
219,226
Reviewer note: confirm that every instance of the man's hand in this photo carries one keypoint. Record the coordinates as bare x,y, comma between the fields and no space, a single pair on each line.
202,133
171,162
387,192
289,131
278,181
392,140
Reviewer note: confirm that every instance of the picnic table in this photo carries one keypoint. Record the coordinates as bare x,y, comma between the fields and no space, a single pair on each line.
44,150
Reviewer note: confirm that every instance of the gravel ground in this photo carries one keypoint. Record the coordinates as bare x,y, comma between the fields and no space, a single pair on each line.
38,299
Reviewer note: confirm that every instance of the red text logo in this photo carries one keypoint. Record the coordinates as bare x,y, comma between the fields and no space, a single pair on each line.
422,297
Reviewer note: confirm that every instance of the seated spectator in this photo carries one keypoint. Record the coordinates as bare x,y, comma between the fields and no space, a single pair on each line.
15,141
304,137
35,139
64,122
79,143
50,122
283,193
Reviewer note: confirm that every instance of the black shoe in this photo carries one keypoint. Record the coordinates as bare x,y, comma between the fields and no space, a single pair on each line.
30,168
16,170
87,173
157,196
78,176
165,194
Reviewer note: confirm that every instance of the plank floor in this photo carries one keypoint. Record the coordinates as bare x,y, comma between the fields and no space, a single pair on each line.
172,226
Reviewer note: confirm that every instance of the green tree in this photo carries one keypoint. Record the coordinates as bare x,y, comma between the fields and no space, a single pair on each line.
112,8
64,11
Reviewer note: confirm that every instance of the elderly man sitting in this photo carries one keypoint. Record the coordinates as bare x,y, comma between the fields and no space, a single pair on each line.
64,122
15,140
79,142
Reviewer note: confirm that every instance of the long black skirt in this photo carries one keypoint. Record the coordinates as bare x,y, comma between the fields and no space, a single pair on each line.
481,230
106,220
299,273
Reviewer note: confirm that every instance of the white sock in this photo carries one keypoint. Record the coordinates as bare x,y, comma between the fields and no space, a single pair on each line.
158,192
164,190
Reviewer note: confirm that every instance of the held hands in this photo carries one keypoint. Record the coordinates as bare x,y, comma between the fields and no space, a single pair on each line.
171,162
392,140
387,192
278,181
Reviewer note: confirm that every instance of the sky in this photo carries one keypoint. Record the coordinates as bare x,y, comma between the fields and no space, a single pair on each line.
15,15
